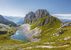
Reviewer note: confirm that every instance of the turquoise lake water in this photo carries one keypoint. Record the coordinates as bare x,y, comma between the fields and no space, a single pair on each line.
19,36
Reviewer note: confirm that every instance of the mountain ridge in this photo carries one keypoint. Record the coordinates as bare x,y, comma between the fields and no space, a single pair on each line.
17,20
42,20
5,21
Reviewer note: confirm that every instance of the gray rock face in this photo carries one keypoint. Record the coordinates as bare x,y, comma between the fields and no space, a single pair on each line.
29,17
40,13
4,29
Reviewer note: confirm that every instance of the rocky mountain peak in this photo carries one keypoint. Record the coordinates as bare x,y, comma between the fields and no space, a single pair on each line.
41,13
33,16
30,15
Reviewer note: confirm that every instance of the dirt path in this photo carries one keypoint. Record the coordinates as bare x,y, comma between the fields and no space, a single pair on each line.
47,47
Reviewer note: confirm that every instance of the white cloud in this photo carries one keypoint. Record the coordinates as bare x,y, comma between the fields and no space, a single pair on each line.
12,13
63,16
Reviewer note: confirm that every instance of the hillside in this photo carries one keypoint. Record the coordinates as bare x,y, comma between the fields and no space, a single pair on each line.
53,33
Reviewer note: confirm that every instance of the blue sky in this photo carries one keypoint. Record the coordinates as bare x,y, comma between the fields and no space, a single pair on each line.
22,7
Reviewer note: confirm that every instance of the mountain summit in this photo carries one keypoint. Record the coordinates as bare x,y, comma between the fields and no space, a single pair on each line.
34,16
42,20
40,17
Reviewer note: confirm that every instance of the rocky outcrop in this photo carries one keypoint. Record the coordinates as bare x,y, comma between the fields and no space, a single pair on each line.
6,22
4,27
41,13
31,17
6,31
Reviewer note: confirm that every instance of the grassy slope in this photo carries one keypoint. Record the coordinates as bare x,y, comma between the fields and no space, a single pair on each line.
47,29
47,34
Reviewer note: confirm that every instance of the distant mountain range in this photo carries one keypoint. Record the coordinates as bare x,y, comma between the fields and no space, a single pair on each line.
6,21
17,20
65,20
